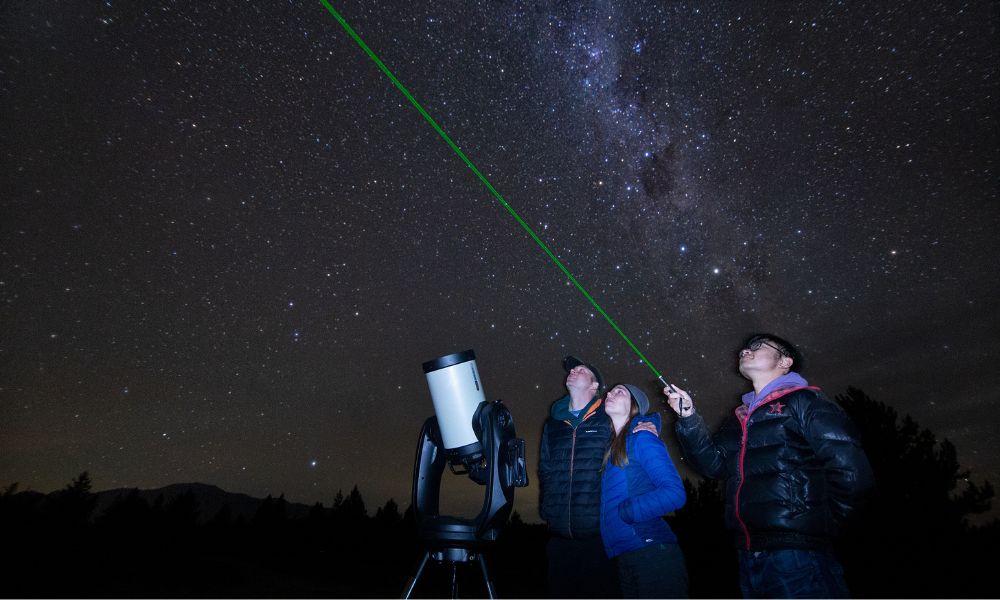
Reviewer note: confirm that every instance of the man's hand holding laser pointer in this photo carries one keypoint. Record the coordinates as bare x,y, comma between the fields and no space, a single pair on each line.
679,400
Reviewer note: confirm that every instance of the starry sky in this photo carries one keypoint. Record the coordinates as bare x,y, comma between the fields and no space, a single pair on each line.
229,243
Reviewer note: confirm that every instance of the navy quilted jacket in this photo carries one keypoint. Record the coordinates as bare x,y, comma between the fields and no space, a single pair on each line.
569,469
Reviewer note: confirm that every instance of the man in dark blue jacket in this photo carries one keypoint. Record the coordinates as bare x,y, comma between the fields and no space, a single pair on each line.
794,470
574,439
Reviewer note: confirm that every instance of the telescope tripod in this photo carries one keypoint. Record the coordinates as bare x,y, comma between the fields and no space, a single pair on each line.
453,556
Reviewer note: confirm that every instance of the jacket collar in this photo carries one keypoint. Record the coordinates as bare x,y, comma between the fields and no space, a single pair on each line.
560,410
789,380
743,411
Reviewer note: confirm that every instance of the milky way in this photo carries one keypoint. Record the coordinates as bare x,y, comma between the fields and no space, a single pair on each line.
229,242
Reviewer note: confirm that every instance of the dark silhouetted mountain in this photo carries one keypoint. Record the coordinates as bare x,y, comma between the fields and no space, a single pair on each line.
211,499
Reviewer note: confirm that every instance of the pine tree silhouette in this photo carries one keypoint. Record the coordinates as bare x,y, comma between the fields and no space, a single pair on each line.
354,507
72,506
913,538
388,516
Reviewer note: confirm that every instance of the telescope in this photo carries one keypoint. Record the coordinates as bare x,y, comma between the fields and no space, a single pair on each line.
473,437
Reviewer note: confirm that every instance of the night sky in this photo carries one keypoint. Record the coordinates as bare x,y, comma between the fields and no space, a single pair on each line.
229,243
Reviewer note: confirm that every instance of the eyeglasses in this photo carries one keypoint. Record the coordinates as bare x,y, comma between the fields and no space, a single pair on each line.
755,346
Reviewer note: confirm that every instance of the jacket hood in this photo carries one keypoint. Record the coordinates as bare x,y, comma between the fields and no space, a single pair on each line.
790,379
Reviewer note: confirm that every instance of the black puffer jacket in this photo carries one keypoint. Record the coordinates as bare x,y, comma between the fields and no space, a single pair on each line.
794,472
569,469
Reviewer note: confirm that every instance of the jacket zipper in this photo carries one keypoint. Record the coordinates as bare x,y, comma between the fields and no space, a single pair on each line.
745,423
743,451
572,457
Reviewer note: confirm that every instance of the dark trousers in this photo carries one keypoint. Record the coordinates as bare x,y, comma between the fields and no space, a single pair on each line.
791,574
581,569
654,571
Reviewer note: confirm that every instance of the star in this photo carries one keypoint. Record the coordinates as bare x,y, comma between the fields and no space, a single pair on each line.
214,212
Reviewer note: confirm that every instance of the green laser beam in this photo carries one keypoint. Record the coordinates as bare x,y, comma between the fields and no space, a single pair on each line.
488,185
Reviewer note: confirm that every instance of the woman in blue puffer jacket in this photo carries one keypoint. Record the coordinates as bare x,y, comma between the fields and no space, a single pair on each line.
640,484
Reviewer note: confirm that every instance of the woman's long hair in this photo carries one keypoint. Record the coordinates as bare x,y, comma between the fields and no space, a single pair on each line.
617,451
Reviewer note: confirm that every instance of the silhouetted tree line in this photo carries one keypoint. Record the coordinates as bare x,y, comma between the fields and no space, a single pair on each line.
914,540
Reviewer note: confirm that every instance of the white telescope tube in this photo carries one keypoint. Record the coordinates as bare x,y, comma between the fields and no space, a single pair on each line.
456,391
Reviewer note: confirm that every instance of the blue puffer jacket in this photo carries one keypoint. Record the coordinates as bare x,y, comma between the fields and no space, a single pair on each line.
636,496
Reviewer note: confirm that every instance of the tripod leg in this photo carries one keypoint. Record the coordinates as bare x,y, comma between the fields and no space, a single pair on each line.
412,583
490,591
454,580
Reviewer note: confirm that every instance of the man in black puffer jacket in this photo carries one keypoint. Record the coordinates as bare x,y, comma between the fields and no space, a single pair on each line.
794,470
574,439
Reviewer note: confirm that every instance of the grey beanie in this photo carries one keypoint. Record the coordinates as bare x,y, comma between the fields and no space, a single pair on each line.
640,398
